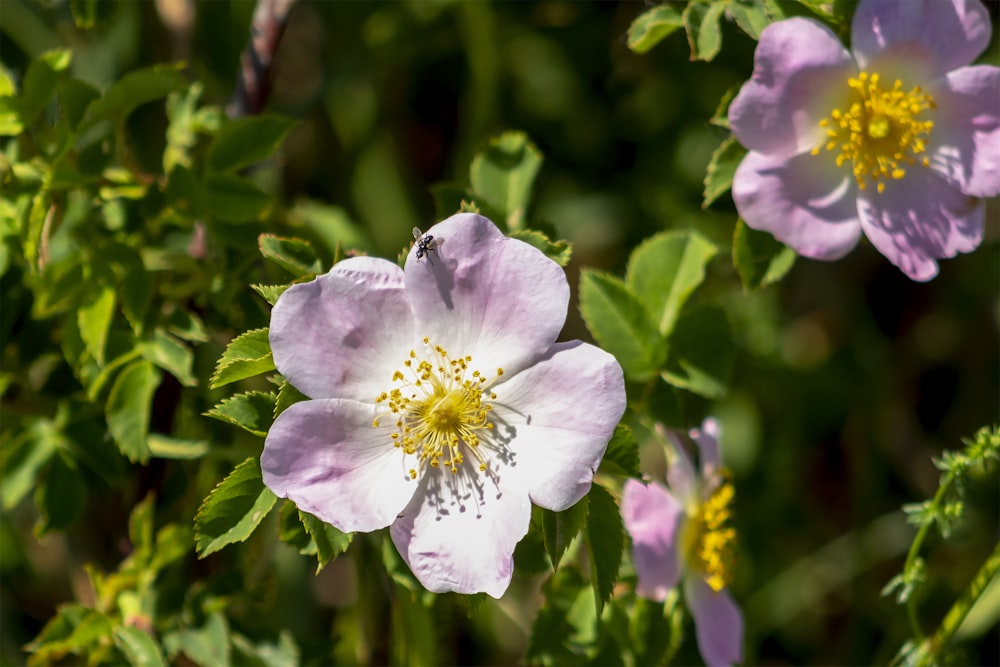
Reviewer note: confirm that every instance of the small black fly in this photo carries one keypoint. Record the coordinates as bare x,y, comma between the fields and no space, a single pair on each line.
426,244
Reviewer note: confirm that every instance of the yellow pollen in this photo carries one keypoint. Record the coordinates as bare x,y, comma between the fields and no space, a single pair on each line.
881,133
440,410
709,539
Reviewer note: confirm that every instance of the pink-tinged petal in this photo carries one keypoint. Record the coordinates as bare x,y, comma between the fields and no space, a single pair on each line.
935,35
965,142
326,457
653,518
497,299
682,479
919,219
560,414
342,334
718,623
707,438
459,531
799,75
806,202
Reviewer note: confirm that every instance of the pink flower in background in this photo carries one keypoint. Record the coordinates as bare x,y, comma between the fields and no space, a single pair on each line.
441,406
682,531
896,139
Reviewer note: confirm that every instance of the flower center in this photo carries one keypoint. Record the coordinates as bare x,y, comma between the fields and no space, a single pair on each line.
438,410
881,133
709,540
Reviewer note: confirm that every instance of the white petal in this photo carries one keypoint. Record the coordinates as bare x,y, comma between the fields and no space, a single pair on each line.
496,299
326,456
343,334
459,531
560,414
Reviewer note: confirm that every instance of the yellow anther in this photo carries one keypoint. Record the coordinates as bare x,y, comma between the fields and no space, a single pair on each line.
709,538
882,131
443,414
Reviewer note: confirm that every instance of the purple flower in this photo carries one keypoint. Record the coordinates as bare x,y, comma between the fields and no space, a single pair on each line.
441,406
897,138
682,531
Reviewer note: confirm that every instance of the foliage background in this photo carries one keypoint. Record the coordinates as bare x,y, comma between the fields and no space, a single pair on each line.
849,378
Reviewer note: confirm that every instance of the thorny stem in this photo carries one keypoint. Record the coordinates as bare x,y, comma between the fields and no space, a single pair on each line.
933,646
253,85
914,553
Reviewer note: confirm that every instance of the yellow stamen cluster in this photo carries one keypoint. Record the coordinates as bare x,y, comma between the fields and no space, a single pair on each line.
881,132
438,405
709,539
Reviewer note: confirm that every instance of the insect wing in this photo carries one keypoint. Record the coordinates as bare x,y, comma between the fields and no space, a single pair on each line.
417,234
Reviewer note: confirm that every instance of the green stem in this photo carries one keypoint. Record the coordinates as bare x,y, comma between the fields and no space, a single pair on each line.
914,553
934,646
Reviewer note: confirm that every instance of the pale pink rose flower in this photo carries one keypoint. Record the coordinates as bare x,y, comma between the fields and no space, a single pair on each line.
680,533
896,139
441,404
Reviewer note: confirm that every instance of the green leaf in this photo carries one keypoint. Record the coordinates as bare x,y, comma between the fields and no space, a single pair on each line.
270,293
207,646
751,17
128,406
330,542
721,116
139,648
664,270
652,26
137,295
74,629
181,132
760,259
247,355
84,13
140,526
283,653
165,447
74,97
448,199
41,81
501,175
605,542
836,11
171,355
621,324
560,528
556,635
652,630
246,141
294,255
332,225
187,326
292,532
702,353
232,198
173,542
233,510
62,496
23,456
10,118
133,90
251,411
94,320
721,167
701,21
287,396
558,251
623,452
